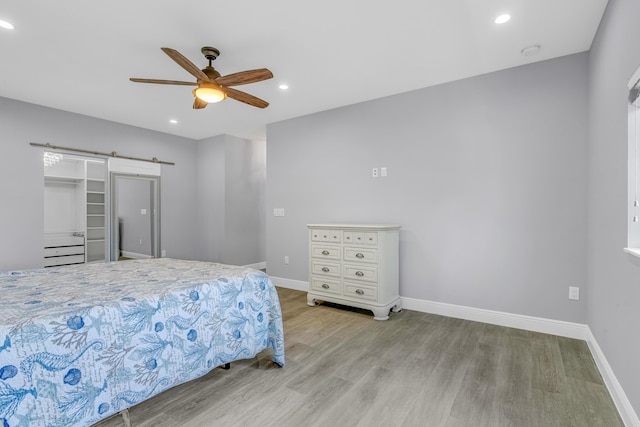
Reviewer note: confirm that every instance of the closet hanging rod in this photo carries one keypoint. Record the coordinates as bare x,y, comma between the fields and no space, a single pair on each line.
97,153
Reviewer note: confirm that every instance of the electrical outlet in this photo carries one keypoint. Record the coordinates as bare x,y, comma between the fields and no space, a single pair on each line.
286,259
574,292
374,172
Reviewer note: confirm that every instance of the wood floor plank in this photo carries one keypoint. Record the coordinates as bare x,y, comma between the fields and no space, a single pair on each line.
514,403
363,396
400,394
345,369
316,404
548,374
591,404
441,388
478,389
578,361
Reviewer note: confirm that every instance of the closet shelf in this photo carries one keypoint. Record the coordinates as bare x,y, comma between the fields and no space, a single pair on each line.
75,199
63,179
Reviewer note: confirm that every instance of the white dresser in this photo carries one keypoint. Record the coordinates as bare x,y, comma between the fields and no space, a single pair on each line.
355,265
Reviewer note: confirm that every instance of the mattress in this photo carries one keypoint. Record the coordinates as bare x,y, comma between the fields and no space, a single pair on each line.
79,343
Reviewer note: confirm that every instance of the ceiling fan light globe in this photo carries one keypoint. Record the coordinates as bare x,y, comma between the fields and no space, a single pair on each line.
210,93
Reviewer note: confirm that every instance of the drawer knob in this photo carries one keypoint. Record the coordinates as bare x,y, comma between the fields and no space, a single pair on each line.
325,269
359,273
325,252
359,292
359,255
325,286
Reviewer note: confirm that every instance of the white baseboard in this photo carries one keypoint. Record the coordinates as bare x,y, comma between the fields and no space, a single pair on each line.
298,285
257,265
519,321
135,255
628,415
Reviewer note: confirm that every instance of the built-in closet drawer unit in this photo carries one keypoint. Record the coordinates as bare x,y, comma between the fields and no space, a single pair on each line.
63,250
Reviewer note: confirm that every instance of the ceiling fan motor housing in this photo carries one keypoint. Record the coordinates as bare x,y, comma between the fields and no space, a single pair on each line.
211,72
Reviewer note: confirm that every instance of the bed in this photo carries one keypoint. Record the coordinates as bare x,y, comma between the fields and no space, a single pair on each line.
80,343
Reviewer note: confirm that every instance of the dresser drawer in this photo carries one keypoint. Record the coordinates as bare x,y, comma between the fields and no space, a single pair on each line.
325,251
326,235
360,292
325,268
360,272
353,237
328,286
64,250
370,238
360,238
361,255
63,260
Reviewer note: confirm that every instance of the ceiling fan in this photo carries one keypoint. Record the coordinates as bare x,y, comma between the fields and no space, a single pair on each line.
211,86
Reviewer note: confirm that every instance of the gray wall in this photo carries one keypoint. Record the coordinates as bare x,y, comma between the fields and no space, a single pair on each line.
487,177
210,187
613,276
22,185
231,174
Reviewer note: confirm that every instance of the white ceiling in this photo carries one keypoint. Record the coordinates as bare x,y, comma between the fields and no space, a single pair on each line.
78,55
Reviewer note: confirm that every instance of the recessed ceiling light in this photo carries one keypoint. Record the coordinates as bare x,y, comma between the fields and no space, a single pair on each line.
6,25
173,121
284,86
502,19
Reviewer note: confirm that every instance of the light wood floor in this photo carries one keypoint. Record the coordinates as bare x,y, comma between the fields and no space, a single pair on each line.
415,369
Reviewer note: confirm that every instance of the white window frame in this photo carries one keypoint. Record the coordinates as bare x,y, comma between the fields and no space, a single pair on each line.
633,167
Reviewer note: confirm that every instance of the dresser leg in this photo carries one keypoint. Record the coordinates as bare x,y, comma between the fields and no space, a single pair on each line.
311,301
380,313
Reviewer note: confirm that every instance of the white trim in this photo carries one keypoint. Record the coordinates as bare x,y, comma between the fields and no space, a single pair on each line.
298,285
519,321
634,80
135,255
632,251
628,415
530,323
133,167
257,265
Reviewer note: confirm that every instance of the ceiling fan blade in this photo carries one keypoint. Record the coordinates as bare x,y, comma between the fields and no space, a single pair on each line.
245,77
245,97
164,82
186,64
199,103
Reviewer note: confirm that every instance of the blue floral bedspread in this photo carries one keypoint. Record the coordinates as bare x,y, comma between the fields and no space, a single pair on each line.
80,343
